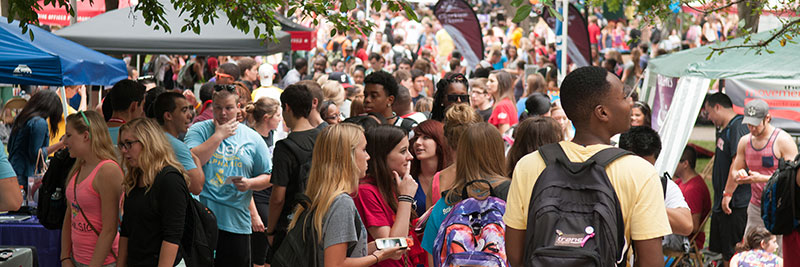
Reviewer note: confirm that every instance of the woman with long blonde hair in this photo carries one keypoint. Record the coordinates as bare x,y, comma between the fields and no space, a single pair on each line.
89,233
156,196
338,161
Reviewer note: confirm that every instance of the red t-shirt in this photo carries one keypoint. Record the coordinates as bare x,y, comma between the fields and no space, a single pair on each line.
374,211
791,244
695,191
505,112
594,32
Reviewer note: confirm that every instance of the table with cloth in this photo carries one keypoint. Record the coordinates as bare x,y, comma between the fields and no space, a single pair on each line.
29,233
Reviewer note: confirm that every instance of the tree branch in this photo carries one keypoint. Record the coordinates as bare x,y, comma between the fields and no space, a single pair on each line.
762,43
709,11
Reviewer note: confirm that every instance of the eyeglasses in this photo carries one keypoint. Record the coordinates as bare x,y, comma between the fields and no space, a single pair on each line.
127,144
458,98
221,75
228,87
476,92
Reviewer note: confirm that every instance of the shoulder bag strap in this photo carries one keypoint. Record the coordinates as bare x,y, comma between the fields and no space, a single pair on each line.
40,159
75,196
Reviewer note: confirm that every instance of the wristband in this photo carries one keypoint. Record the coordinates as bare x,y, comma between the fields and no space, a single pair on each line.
377,260
404,198
726,194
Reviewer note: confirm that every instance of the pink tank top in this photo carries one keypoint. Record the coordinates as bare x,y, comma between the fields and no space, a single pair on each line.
435,194
762,161
83,238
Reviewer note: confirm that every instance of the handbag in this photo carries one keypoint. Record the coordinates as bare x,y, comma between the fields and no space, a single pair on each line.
75,196
35,181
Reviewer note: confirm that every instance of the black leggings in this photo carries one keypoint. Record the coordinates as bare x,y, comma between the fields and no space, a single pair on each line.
232,250
258,240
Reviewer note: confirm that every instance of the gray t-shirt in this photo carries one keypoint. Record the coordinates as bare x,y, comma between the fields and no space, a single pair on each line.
342,224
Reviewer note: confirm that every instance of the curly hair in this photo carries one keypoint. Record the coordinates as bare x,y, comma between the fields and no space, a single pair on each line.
437,112
385,79
582,90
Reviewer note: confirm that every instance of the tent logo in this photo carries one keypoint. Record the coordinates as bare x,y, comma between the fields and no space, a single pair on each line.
22,70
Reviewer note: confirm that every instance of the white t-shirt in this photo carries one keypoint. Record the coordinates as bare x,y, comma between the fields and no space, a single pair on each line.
674,197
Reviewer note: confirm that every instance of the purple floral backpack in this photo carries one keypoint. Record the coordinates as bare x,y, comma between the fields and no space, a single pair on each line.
473,233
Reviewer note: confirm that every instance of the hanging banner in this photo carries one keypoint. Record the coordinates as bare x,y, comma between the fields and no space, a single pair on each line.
783,97
579,47
303,40
51,15
460,22
665,89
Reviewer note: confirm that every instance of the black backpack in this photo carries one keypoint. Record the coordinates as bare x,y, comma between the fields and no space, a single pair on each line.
574,216
303,157
52,203
779,200
299,248
199,233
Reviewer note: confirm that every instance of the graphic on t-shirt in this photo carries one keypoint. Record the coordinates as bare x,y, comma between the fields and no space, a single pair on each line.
225,157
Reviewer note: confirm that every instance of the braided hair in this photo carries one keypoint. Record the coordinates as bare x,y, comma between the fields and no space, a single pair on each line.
437,113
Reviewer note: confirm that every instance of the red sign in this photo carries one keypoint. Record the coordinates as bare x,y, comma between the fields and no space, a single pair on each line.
50,15
303,41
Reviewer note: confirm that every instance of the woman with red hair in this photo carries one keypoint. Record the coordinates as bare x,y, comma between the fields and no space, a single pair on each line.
431,155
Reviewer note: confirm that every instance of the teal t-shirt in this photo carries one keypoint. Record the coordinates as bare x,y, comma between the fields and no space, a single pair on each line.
243,154
114,132
439,211
6,170
182,152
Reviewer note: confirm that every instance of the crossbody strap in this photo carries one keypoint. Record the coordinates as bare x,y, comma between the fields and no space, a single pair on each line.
75,196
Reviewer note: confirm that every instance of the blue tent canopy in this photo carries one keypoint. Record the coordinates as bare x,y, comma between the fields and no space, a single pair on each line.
52,60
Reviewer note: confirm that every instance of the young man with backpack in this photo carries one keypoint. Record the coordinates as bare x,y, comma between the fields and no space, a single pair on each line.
757,156
291,160
624,188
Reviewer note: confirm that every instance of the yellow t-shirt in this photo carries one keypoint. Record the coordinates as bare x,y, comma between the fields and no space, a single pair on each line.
62,127
634,179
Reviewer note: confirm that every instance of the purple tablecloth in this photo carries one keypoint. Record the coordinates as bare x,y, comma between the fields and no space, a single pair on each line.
31,233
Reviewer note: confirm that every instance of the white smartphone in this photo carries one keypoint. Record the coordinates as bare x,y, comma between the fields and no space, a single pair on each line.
384,243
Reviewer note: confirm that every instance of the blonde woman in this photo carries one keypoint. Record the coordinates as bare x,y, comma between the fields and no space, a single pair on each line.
89,233
339,160
156,194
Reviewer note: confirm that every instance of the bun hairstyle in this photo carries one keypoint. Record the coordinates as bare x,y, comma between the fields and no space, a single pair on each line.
753,239
456,120
261,107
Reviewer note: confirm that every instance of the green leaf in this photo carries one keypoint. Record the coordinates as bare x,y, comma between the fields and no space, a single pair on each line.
522,13
709,55
410,12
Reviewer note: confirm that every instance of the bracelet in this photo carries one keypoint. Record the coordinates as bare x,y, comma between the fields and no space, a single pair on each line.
62,260
404,198
377,260
726,194
270,233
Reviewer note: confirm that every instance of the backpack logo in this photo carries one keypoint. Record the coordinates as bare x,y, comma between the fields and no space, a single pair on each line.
573,240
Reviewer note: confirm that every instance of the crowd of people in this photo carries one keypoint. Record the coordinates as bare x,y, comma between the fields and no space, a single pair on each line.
382,136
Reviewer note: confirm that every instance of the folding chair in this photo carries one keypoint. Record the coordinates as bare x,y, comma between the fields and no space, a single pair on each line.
695,255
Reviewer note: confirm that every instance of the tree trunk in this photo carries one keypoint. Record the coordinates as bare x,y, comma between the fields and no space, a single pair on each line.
111,4
747,12
4,8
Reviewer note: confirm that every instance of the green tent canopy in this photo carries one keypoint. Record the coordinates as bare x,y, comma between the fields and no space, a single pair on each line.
734,63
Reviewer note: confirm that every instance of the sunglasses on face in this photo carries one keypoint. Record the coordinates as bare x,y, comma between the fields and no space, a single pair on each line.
458,98
228,87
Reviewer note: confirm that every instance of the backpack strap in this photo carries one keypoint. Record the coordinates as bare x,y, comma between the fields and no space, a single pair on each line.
465,194
664,180
551,153
608,155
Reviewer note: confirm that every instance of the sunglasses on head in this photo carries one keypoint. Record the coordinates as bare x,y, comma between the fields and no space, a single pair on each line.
228,87
458,98
223,75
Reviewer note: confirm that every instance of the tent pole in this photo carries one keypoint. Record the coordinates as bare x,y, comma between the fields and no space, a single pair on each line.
138,62
63,94
564,38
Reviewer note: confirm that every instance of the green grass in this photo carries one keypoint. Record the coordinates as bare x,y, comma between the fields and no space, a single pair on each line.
699,166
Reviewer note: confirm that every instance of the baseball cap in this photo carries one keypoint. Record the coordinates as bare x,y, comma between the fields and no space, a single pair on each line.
755,111
340,77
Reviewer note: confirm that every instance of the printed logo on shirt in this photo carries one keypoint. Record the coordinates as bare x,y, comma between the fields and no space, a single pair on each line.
226,156
502,116
721,144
